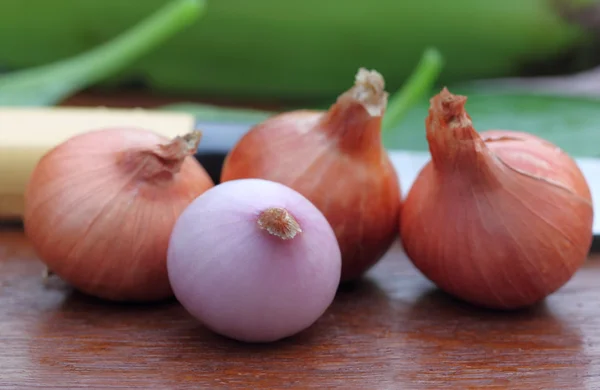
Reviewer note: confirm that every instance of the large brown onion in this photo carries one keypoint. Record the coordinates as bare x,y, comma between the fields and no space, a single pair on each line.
500,219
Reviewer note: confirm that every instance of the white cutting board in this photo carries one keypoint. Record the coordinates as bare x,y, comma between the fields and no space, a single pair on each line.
409,164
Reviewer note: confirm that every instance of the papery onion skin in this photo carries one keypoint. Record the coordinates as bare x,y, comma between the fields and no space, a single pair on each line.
241,280
336,159
522,151
100,207
500,223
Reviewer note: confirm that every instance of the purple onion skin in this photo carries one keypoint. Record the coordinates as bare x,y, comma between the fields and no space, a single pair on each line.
239,280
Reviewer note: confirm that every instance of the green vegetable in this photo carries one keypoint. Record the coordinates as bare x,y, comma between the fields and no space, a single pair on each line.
49,84
415,89
571,123
298,49
211,113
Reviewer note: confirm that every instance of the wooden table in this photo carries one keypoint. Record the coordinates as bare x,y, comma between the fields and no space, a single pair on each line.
394,330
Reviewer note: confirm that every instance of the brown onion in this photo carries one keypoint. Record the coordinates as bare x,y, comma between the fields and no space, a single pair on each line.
501,219
100,208
336,159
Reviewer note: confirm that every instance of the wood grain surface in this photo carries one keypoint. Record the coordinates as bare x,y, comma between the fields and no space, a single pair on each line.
393,330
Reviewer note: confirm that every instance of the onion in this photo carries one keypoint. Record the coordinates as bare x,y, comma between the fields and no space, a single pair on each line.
502,219
254,260
100,207
336,159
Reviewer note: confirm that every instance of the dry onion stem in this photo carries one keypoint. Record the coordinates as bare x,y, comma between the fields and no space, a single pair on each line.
500,219
99,209
279,222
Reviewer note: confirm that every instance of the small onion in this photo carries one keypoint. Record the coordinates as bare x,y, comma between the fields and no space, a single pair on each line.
254,260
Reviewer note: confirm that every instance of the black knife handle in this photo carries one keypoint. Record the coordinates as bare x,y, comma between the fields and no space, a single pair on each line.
217,140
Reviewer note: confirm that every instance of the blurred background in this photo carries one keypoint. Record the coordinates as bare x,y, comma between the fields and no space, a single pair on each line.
265,53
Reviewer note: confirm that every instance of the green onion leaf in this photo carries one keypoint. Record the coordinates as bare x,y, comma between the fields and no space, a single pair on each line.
49,84
417,86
